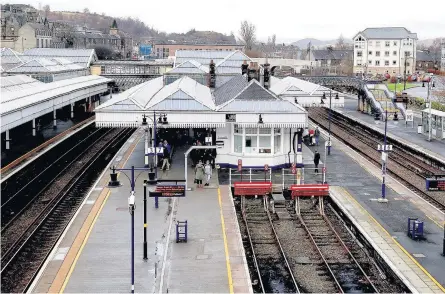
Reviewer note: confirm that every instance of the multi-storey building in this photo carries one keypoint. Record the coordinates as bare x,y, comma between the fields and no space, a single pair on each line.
169,50
385,50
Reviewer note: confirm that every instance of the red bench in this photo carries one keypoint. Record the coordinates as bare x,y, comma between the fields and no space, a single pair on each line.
252,189
309,190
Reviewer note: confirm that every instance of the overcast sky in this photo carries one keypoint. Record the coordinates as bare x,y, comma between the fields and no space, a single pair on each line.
289,20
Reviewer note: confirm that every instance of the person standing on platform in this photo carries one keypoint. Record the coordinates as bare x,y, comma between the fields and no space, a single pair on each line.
199,174
169,149
317,136
166,157
316,161
208,172
311,137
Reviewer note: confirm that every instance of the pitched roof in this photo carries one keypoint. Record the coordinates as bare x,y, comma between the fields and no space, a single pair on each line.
232,63
17,82
189,67
326,54
82,57
387,33
427,56
230,89
40,65
255,98
201,56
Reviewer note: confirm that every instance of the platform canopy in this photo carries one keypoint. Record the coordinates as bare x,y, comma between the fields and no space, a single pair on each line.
188,103
23,105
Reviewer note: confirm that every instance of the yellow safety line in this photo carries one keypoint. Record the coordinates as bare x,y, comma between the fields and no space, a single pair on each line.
365,167
83,244
73,265
395,241
226,248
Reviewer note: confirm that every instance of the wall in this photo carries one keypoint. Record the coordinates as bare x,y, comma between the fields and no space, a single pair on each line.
173,47
226,158
27,39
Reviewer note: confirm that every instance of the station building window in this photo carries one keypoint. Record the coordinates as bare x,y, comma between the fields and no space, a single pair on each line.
256,140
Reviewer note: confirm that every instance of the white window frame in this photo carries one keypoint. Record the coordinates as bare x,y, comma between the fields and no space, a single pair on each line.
243,135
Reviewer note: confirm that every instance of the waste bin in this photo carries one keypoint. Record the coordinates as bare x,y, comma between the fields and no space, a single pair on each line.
419,129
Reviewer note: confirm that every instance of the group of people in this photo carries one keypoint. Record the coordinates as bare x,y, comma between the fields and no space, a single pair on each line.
165,157
312,136
203,172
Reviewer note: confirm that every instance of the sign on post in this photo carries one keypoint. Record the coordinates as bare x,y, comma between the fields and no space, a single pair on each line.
324,169
409,117
168,191
240,165
294,168
266,167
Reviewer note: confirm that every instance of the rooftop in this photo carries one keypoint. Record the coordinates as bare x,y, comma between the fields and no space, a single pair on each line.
17,83
45,65
325,54
387,33
82,57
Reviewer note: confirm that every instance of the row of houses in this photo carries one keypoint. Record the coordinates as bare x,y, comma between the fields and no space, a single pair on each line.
23,28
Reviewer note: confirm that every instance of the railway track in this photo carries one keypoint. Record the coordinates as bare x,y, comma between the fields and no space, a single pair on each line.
33,243
409,170
345,271
270,261
19,189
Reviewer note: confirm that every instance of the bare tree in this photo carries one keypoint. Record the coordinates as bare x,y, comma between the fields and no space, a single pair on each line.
248,34
341,43
86,10
273,39
435,51
46,9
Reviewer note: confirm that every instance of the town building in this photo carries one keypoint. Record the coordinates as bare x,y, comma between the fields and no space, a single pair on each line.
331,61
169,50
385,50
427,61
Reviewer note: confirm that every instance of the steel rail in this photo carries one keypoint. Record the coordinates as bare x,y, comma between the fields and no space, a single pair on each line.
321,254
244,216
78,178
12,250
374,289
54,178
410,185
282,252
49,166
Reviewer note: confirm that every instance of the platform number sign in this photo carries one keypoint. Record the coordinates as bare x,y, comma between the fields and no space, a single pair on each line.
240,165
266,167
294,168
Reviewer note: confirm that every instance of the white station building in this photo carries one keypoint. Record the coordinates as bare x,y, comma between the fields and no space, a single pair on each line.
248,120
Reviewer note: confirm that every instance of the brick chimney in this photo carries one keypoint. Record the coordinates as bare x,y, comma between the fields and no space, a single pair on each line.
266,76
252,72
244,67
212,74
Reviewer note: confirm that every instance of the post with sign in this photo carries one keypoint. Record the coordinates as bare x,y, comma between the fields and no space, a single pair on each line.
294,170
266,168
409,118
324,174
240,168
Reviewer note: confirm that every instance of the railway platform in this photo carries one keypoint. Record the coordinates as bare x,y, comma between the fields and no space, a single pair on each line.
94,254
397,130
399,260
361,180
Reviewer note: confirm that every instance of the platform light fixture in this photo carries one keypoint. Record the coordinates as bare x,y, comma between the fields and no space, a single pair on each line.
336,96
144,120
260,119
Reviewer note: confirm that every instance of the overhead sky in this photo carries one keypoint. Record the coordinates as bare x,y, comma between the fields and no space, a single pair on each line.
290,20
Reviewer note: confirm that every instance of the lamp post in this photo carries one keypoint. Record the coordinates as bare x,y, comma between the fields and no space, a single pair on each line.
329,118
131,206
430,84
384,149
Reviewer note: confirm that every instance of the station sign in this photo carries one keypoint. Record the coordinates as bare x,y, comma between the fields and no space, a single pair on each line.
435,184
240,164
266,167
230,117
151,150
219,144
168,191
294,168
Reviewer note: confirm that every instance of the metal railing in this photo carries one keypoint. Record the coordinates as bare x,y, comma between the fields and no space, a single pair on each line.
249,175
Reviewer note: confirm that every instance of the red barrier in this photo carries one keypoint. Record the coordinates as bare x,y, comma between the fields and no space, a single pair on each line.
252,189
309,190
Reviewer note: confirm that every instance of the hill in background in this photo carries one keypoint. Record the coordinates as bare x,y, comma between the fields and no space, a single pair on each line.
137,28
